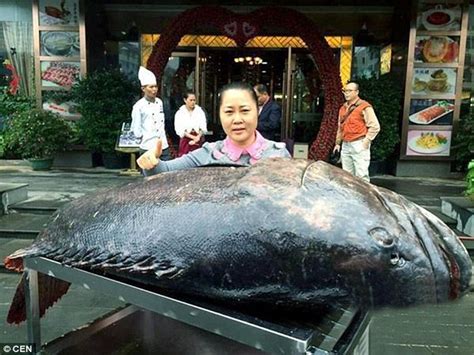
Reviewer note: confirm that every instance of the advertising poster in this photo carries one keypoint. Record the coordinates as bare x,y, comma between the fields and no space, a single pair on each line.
429,81
59,74
58,43
439,17
59,12
428,143
431,112
437,49
61,102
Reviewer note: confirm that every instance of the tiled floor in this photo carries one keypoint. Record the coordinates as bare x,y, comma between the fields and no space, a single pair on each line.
443,329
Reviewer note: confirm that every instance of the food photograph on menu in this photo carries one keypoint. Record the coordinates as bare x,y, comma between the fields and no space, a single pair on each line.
61,102
62,44
439,17
431,112
432,81
59,12
436,49
59,74
428,143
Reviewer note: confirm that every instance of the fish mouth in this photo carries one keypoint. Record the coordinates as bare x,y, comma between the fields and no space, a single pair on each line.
450,262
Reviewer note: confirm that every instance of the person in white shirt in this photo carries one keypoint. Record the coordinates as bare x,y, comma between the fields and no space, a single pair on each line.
190,124
148,118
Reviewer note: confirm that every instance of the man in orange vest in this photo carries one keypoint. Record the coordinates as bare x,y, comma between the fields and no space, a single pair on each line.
358,126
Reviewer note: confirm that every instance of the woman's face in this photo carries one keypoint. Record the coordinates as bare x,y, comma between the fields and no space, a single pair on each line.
190,102
239,116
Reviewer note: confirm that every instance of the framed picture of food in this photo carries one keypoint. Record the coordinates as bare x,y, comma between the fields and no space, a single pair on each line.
428,143
437,49
59,74
61,102
59,12
431,112
432,81
59,43
439,17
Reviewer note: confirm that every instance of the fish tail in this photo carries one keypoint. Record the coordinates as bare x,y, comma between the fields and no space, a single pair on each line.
50,290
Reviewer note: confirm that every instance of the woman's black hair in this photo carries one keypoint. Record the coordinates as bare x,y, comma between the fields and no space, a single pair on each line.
187,93
239,85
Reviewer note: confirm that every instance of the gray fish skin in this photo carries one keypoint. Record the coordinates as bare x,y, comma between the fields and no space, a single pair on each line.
283,232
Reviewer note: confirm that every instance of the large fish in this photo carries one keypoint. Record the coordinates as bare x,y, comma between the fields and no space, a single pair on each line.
290,233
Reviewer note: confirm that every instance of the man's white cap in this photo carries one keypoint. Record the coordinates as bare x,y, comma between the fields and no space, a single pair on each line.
146,77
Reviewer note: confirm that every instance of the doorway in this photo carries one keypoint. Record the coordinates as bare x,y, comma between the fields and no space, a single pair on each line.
290,75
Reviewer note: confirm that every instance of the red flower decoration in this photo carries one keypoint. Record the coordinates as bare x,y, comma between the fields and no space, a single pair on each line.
241,28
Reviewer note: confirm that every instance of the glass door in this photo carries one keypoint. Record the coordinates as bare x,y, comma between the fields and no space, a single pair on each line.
178,76
302,102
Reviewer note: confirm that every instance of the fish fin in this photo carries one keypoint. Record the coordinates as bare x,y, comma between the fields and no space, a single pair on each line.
13,263
50,290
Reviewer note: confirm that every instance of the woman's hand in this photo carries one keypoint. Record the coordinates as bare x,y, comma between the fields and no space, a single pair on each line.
149,159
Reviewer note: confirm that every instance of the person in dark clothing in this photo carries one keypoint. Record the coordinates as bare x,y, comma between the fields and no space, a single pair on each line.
269,114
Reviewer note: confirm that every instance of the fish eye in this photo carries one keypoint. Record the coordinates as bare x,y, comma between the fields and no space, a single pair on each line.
382,237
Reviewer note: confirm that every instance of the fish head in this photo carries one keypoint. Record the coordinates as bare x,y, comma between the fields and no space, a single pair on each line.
389,250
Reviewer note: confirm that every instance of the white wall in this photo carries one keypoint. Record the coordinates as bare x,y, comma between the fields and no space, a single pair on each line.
15,10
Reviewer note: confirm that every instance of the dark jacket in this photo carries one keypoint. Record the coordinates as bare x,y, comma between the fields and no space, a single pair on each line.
269,121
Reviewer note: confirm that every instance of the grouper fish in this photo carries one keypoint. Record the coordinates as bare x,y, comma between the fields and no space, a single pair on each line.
286,233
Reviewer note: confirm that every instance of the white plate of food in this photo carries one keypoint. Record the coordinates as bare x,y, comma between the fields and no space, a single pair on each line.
429,143
438,19
432,113
438,49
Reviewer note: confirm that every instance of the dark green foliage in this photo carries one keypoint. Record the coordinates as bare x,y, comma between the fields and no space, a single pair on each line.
36,134
463,142
11,104
385,95
105,100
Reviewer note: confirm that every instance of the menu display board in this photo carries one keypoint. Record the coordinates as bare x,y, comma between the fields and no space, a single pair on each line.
60,55
127,139
433,92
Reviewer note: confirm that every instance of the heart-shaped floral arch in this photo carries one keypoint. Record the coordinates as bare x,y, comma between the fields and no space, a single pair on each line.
242,28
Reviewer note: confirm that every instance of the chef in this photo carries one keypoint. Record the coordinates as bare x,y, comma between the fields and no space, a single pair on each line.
148,118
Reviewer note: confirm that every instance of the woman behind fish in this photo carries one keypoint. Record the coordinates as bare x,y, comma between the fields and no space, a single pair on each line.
190,124
243,145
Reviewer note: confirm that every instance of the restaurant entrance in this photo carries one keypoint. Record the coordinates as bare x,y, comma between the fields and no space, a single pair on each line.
290,74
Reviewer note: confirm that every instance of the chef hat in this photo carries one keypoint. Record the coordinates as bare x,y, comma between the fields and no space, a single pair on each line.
146,77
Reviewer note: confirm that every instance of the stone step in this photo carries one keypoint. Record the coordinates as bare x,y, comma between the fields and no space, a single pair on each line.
436,210
462,210
10,194
22,225
38,206
8,246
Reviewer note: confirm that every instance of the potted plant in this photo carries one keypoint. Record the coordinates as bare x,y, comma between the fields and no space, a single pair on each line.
37,135
105,99
385,95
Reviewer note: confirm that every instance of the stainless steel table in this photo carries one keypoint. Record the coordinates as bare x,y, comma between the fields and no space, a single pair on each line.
339,331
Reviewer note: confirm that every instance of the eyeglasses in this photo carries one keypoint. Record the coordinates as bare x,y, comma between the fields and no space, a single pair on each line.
347,91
